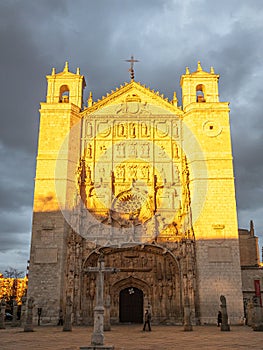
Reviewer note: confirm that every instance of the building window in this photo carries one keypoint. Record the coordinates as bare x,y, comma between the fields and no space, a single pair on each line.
200,93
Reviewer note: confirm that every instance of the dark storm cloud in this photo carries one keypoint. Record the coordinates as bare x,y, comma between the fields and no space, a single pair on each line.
97,36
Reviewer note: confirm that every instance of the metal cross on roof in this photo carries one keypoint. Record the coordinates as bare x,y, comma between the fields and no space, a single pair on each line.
131,70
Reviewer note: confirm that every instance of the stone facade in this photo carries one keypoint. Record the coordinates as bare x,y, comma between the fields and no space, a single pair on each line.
147,184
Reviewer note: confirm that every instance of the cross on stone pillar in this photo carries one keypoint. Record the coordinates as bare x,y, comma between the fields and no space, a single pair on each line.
97,338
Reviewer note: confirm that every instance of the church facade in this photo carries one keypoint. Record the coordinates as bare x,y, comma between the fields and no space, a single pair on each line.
147,186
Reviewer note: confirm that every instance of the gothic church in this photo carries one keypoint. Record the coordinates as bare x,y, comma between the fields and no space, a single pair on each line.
144,183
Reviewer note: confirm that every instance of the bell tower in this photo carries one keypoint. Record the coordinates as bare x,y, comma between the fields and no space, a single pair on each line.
58,154
207,143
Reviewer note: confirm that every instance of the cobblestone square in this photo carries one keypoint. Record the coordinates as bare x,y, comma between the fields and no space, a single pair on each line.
130,337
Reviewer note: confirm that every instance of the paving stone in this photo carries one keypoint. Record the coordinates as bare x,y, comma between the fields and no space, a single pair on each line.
131,337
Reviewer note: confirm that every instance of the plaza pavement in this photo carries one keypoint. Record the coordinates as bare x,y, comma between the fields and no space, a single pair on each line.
131,337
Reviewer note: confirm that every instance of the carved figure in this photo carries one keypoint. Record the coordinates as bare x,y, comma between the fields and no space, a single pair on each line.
132,130
144,129
89,151
145,148
224,326
175,150
121,130
133,150
121,149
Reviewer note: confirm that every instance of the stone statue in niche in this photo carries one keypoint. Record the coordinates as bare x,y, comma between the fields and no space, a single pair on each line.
133,171
120,171
145,172
132,130
175,130
144,129
102,173
133,150
121,130
145,150
224,325
89,151
88,129
175,150
120,149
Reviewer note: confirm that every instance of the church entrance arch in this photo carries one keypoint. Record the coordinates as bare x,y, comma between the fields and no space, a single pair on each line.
146,273
131,305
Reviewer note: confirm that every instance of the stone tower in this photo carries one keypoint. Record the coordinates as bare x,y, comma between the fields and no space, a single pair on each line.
206,120
58,115
147,184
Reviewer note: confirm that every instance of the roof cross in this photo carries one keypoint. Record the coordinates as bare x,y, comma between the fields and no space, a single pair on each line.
131,70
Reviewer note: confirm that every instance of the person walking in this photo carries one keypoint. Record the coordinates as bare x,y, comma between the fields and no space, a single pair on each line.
147,320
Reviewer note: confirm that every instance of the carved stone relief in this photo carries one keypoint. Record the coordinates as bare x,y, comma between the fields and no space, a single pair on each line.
162,129
148,268
103,129
88,129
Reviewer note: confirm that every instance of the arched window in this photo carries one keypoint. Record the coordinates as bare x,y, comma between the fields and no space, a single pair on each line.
200,93
64,94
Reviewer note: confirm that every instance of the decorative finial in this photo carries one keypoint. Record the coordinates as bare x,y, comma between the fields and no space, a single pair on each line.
199,67
66,67
131,70
212,70
53,71
78,71
175,100
187,70
90,100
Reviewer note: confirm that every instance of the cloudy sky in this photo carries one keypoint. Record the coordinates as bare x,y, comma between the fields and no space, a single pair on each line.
166,36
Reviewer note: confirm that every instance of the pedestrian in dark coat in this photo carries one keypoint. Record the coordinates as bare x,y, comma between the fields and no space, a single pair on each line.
147,320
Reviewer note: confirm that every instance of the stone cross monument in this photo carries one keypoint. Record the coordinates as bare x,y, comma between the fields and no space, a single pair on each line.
97,338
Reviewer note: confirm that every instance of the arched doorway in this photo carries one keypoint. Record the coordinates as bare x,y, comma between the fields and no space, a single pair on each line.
131,305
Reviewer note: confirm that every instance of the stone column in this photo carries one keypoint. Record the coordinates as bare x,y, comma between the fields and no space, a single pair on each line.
2,314
67,327
97,338
29,316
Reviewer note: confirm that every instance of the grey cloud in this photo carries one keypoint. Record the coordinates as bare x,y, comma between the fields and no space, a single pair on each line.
97,36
